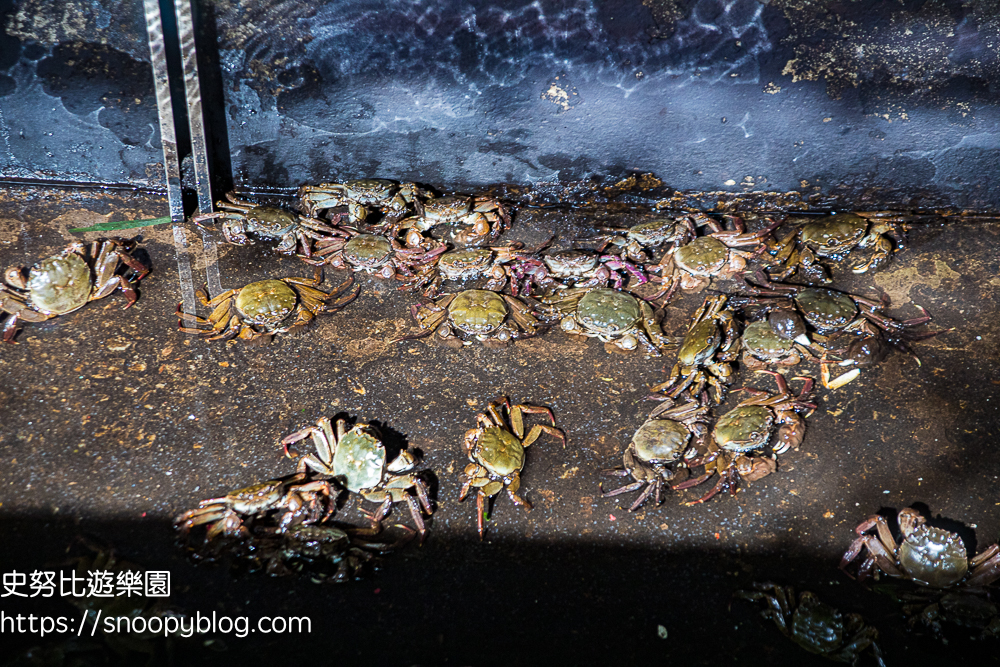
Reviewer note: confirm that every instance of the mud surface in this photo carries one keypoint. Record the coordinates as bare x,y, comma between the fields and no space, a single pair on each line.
113,422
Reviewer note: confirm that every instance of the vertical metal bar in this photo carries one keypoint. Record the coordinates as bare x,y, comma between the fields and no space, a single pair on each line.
168,137
199,142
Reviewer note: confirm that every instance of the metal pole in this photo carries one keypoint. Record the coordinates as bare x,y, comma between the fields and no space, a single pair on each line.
199,142
168,137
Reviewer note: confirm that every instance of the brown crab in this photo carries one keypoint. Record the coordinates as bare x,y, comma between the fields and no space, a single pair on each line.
662,440
496,451
392,198
929,556
66,282
384,256
705,355
302,501
814,625
618,319
834,237
356,459
256,312
484,218
241,217
762,421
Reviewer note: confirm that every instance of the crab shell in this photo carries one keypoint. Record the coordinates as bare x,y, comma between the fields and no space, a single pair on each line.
660,441
608,312
705,256
834,235
825,309
764,343
367,252
266,302
933,557
571,263
359,460
700,343
477,312
744,428
465,263
59,284
499,451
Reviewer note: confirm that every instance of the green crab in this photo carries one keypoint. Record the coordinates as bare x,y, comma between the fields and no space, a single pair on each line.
241,217
815,626
484,218
662,440
496,453
692,266
761,421
356,459
834,237
832,316
495,320
617,318
66,282
705,355
256,312
762,345
303,502
392,198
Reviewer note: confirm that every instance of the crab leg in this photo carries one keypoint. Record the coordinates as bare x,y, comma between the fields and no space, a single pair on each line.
634,486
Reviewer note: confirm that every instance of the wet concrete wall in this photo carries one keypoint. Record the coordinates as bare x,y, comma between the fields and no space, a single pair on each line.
865,103
881,103
76,94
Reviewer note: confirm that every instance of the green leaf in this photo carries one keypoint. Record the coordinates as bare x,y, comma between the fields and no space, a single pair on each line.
122,224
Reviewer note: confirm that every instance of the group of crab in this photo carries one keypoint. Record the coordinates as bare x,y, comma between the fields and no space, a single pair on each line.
933,578
763,326
283,525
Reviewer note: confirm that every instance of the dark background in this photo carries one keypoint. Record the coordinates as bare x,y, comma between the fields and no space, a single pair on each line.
463,96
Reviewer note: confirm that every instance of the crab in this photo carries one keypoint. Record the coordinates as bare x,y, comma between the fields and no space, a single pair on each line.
356,459
617,318
572,267
241,217
495,320
762,345
960,608
485,218
834,237
496,453
302,501
692,266
66,282
393,199
662,440
928,556
325,552
832,315
384,256
635,241
815,626
256,312
748,429
468,264
705,355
